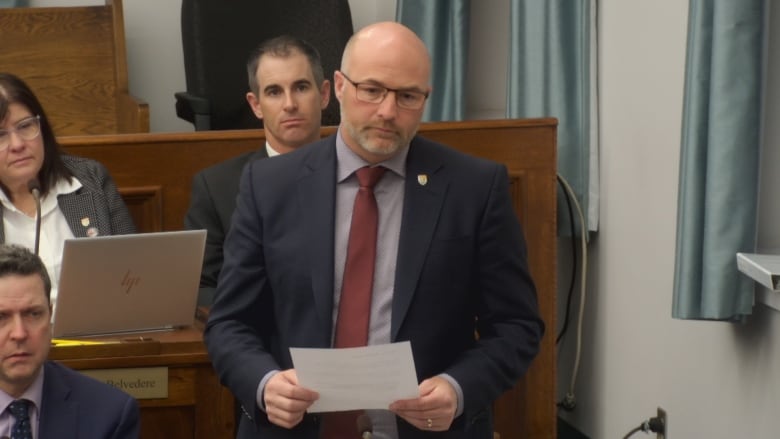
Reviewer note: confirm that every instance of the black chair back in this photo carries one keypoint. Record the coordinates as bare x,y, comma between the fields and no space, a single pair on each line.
217,37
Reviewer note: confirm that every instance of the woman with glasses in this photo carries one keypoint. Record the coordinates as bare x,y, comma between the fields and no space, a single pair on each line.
78,198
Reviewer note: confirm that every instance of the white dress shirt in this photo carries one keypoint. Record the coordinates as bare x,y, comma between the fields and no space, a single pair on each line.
20,229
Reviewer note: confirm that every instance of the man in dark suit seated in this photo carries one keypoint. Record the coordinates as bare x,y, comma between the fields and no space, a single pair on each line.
288,91
440,256
40,398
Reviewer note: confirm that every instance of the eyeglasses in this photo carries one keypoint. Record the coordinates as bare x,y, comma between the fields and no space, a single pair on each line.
27,128
375,94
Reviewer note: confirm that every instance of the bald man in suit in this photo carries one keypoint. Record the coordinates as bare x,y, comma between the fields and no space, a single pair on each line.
450,261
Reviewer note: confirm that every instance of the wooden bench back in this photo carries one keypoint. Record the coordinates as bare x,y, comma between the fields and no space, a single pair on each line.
74,59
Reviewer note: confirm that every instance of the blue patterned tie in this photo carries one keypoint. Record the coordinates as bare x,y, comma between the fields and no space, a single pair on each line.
20,411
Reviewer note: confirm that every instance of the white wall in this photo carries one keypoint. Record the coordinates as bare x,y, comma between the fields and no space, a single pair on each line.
370,11
488,60
155,60
715,380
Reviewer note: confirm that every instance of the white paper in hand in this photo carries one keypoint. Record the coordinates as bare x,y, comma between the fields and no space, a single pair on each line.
369,377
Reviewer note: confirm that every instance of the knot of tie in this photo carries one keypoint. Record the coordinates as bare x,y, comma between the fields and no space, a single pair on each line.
19,409
368,177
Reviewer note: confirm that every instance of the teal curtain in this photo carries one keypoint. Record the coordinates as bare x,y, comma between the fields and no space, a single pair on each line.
550,76
13,3
719,158
444,27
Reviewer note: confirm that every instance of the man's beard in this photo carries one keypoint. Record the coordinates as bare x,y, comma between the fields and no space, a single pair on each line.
380,146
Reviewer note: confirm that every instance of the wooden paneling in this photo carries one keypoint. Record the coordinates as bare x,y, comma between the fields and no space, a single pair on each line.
145,206
168,161
74,59
197,406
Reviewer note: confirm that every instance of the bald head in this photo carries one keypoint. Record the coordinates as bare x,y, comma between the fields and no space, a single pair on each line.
382,87
391,43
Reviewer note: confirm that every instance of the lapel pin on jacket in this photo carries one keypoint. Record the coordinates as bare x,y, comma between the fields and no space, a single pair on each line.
422,179
85,221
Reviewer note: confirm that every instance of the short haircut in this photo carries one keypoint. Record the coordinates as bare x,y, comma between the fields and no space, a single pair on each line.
20,261
283,46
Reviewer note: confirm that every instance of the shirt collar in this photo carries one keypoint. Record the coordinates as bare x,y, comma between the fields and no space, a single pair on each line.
348,162
34,393
64,186
49,201
270,150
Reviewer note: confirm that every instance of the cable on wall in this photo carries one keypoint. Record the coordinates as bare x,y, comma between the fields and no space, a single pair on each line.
574,264
569,401
655,424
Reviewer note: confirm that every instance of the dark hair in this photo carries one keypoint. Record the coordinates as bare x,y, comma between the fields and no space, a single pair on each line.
15,91
18,260
283,46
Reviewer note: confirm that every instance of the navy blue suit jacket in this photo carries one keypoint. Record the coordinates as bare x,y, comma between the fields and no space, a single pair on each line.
212,203
461,268
76,406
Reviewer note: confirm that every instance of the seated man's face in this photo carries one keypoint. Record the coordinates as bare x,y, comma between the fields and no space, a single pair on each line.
25,331
289,101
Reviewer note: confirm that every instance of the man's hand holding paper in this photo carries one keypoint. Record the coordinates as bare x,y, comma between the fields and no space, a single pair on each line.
370,377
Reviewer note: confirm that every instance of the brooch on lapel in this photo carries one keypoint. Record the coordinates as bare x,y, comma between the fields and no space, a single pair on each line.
422,179
91,231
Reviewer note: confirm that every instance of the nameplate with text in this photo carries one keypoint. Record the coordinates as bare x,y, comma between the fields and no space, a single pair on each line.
138,382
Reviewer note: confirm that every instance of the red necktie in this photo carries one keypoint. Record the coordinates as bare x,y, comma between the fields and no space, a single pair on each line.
356,289
355,302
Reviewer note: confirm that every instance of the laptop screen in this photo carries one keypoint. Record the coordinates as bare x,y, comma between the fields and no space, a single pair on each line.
128,283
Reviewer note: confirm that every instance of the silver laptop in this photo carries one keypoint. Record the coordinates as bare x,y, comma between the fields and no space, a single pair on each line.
128,283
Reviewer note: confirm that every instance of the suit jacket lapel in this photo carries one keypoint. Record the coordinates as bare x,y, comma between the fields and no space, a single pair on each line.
422,206
261,153
74,206
58,414
317,197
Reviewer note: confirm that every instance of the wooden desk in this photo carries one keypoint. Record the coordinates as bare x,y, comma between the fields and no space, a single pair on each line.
197,406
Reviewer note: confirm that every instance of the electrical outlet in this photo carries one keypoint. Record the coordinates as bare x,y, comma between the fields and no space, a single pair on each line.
662,416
